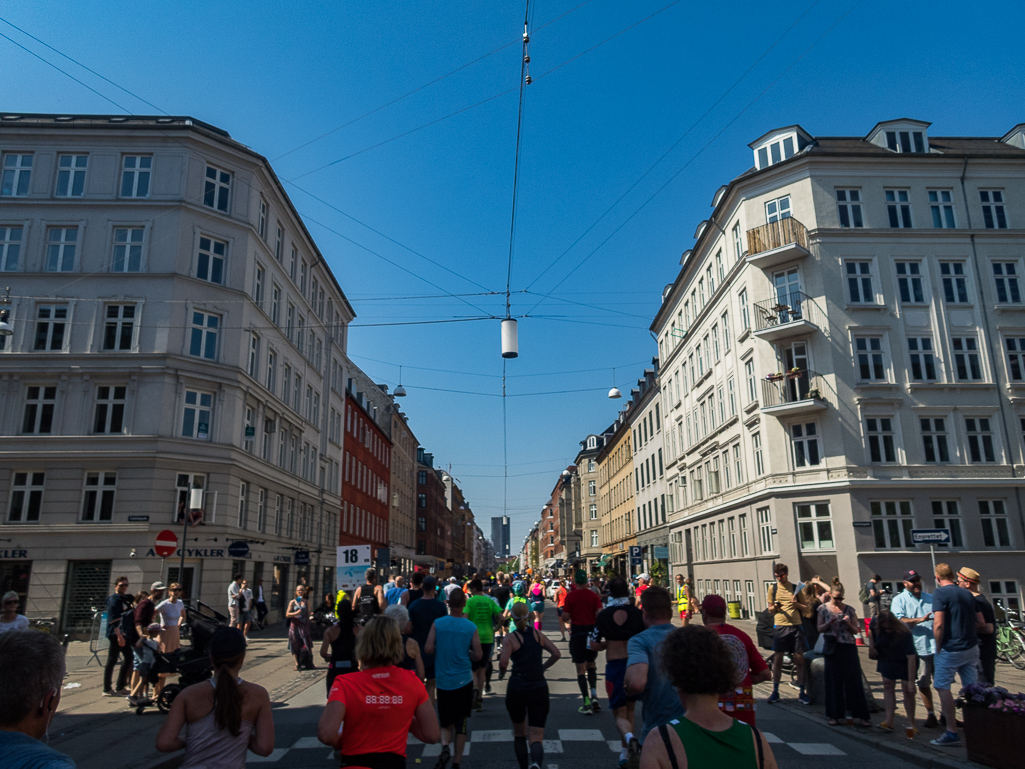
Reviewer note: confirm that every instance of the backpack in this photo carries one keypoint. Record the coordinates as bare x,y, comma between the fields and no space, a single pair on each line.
765,623
127,625
863,594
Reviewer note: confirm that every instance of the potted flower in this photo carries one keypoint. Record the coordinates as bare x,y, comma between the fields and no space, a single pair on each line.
775,377
993,721
794,373
814,393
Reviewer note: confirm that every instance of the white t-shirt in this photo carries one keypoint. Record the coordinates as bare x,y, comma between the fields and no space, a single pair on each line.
169,611
233,590
20,622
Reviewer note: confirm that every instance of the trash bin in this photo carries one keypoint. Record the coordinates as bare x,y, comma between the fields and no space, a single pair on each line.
733,607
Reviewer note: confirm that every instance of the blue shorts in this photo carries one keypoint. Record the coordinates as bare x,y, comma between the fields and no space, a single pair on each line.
615,677
962,663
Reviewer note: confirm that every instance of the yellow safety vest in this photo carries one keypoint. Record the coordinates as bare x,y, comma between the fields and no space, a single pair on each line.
681,597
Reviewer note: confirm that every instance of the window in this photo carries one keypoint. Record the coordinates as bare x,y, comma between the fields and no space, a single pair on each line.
1015,357
26,497
942,208
934,439
891,524
135,173
967,365
946,514
745,548
732,396
17,171
1005,597
909,282
1005,275
275,305
594,538
286,384
216,189
254,355
262,222
756,447
980,440
119,327
210,264
765,529
777,151
881,444
196,415
955,286
898,208
71,175
203,342
10,248
293,263
258,283
923,362
109,416
593,512
848,204
243,506
61,243
39,406
815,526
592,488
993,215
719,266
715,345
738,465
752,381
127,256
738,241
279,243
871,363
901,141
590,462
98,504
272,369
726,331
859,282
777,209
745,313
805,441
995,531
51,320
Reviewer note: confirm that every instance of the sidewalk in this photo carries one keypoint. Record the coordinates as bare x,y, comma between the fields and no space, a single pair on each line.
103,731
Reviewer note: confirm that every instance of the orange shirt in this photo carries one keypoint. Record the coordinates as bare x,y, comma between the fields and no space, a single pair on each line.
560,596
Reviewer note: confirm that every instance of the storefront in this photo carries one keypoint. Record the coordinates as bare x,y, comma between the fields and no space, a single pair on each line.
15,572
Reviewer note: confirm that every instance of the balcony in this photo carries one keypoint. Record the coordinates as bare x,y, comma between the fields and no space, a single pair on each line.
777,242
793,393
785,316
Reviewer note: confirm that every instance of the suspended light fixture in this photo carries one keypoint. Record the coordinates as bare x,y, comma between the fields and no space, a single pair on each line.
400,391
614,392
510,339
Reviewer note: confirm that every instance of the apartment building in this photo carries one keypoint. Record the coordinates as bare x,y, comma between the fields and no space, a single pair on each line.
175,329
433,518
560,518
401,523
650,517
616,496
842,363
586,483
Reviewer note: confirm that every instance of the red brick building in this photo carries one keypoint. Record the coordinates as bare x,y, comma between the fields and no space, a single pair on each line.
433,534
365,477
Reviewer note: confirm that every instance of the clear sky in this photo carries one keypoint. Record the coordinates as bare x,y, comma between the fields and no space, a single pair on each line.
617,86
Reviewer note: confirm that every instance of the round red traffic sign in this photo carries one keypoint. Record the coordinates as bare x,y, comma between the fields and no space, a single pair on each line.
166,544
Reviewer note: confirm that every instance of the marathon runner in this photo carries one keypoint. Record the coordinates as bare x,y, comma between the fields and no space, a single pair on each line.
560,601
501,592
483,612
581,609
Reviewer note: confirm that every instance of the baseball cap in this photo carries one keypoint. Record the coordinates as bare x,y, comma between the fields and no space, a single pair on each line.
453,580
714,605
580,577
645,576
969,574
158,585
430,583
153,627
226,643
911,575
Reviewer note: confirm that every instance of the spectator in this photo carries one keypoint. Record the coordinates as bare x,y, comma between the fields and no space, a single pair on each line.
299,635
118,604
261,604
145,610
169,613
234,588
642,583
10,619
339,646
955,625
394,594
422,613
738,702
370,713
844,691
223,721
913,607
788,637
245,608
891,643
683,599
32,671
697,662
969,580
645,678
874,593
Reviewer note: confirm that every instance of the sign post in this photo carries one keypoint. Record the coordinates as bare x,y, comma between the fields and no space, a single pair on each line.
932,537
351,566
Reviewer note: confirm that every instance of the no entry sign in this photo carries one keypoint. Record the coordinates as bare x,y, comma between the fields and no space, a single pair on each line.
166,544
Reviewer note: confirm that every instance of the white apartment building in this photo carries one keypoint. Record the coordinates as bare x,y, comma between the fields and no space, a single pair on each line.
842,363
645,421
175,327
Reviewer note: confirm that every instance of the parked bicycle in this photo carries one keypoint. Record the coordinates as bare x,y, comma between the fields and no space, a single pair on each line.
1010,638
48,625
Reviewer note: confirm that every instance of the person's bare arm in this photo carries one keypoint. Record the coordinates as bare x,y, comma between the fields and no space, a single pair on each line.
939,621
552,649
261,742
429,644
418,660
404,600
981,626
168,740
770,759
654,755
330,722
325,648
425,723
381,600
475,651
763,675
636,678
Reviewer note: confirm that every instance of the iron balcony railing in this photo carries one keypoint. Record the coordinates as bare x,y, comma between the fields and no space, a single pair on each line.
793,386
783,232
784,307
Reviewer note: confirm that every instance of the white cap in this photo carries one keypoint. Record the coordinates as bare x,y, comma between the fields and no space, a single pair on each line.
645,576
453,580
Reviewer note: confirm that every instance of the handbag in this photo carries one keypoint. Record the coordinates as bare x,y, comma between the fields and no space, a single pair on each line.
828,644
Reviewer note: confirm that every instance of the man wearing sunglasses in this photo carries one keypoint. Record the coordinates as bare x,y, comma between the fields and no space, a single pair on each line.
119,602
913,607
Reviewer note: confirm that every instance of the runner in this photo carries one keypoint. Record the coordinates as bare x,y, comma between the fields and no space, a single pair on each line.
537,601
683,599
560,601
738,703
368,600
581,609
423,613
526,696
614,627
501,593
483,612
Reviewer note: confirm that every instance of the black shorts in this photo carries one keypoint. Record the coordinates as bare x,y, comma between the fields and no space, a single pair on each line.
454,705
528,704
487,650
578,650
789,639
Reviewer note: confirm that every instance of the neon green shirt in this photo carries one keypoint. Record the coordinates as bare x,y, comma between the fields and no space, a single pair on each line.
482,611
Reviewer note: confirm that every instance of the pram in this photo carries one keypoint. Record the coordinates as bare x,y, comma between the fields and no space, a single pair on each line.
192,664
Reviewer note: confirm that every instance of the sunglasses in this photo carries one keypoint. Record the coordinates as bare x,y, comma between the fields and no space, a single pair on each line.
176,589
11,603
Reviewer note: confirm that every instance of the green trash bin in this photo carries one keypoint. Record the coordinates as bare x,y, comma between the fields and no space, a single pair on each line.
733,607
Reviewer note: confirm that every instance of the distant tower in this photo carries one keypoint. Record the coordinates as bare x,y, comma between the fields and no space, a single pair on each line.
500,535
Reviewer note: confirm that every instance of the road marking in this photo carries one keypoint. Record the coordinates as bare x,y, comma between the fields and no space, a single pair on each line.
435,750
772,738
617,745
816,749
307,742
581,735
552,746
492,735
275,755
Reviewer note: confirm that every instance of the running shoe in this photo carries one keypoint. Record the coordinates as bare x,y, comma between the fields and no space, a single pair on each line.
804,699
487,688
585,709
773,698
595,707
133,702
945,740
633,753
442,758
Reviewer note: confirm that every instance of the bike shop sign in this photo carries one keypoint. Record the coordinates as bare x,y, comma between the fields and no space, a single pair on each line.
351,566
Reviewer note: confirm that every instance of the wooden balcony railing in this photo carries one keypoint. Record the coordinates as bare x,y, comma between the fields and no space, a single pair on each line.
784,232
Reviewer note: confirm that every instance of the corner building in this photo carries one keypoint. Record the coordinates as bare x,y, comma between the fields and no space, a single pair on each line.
842,363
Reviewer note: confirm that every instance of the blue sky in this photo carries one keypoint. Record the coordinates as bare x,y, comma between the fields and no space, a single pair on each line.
616,86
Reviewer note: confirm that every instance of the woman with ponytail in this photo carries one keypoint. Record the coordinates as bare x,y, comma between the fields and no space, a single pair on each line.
217,721
526,696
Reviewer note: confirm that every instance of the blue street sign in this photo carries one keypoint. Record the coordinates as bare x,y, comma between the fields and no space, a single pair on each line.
635,555
302,557
930,536
238,549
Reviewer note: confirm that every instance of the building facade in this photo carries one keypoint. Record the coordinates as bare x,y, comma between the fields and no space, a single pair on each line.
616,497
842,366
650,521
176,328
500,535
586,482
433,520
402,519
366,502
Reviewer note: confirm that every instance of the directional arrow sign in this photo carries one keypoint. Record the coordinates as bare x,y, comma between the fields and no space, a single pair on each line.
930,536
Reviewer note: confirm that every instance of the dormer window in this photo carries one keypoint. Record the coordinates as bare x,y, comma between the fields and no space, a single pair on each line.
905,141
776,146
592,443
904,136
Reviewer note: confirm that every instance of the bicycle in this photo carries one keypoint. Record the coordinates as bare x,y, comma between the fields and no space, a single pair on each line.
49,625
1010,639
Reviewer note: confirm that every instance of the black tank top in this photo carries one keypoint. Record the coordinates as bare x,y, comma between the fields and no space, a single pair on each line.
414,594
343,648
408,663
366,604
528,668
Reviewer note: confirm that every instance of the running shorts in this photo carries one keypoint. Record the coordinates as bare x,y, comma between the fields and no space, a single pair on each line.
487,650
528,704
578,650
615,677
789,639
454,705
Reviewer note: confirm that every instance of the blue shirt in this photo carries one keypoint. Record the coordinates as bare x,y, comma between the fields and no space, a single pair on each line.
20,751
906,606
452,639
393,595
661,702
959,620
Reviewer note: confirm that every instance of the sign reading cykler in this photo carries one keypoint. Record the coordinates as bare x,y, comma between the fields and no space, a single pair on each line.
166,544
930,536
351,567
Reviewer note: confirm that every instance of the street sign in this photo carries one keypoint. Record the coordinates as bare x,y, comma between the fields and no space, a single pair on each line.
166,544
635,555
137,518
351,566
862,524
930,536
238,549
302,557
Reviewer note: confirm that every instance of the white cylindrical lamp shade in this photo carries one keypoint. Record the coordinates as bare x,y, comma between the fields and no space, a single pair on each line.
510,341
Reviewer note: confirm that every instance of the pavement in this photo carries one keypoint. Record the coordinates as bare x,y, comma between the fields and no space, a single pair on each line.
103,732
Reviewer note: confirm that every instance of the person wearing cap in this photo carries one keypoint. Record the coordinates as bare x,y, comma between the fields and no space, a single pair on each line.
423,613
453,583
145,609
217,721
751,668
642,583
969,580
913,607
581,609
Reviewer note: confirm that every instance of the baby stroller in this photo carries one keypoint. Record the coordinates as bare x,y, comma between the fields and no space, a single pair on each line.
192,664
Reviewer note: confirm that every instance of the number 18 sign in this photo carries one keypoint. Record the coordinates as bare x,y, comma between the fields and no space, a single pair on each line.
351,569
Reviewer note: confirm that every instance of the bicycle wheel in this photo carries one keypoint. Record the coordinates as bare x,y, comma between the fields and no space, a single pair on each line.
1016,649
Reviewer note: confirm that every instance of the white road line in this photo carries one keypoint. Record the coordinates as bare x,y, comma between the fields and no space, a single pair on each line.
552,746
616,745
275,755
581,735
816,749
435,750
306,742
772,738
492,735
